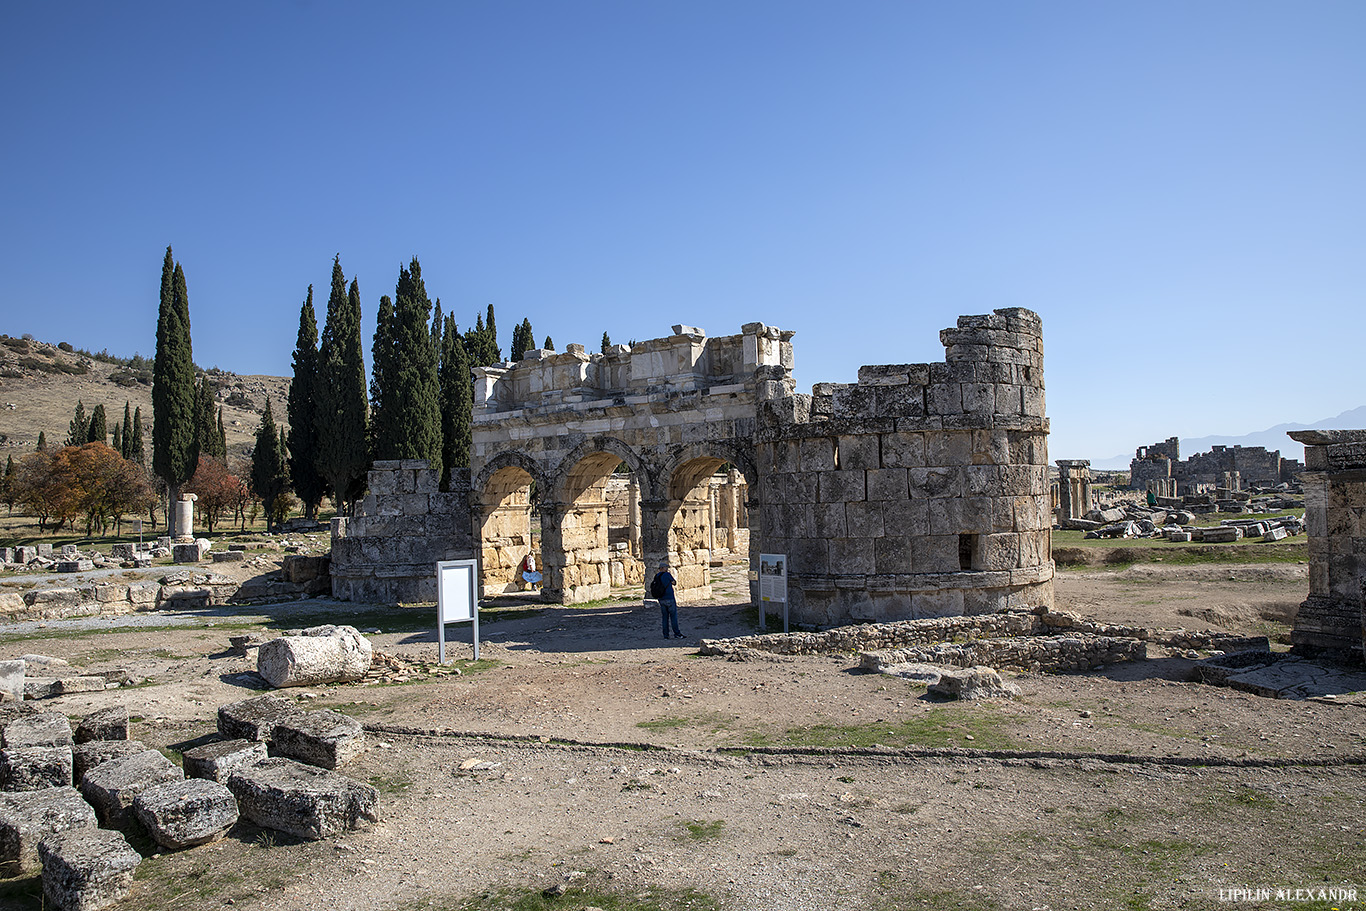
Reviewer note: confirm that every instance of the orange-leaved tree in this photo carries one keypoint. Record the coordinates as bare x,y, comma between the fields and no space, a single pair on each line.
218,490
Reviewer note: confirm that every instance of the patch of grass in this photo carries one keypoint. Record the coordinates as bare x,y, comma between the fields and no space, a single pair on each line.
700,830
942,726
592,894
715,722
396,783
162,885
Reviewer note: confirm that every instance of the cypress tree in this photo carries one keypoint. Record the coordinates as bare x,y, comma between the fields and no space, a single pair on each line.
7,483
456,397
606,342
42,441
301,407
340,414
549,344
382,367
269,476
491,329
205,430
78,434
523,340
136,450
409,426
126,450
117,445
175,454
438,324
99,426
221,447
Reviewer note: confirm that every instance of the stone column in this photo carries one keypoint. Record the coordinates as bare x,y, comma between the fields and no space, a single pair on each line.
633,517
184,518
711,516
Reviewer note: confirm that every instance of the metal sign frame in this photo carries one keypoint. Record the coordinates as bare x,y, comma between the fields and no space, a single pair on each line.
772,586
457,600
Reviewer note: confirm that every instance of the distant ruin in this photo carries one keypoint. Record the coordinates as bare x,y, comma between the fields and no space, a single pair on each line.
920,490
1159,467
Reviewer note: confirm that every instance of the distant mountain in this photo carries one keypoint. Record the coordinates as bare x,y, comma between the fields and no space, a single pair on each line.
1271,438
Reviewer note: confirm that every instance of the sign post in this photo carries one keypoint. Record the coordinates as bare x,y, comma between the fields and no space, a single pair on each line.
772,585
457,600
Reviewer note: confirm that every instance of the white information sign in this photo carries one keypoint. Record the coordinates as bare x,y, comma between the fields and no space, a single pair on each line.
457,600
772,585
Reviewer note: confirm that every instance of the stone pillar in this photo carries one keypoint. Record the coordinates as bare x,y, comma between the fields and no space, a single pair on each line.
184,518
1074,488
711,516
633,517
552,552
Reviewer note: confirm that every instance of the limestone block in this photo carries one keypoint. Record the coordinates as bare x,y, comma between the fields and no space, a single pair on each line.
325,739
254,718
818,454
229,556
105,724
946,603
181,814
858,451
906,517
87,869
6,554
887,484
35,767
45,729
112,786
842,486
973,683
302,800
311,660
853,555
12,680
932,482
899,401
44,550
300,568
29,816
893,556
109,594
47,687
86,756
945,515
72,566
143,594
188,553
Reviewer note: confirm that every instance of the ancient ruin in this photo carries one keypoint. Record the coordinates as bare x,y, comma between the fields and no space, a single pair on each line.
920,490
1159,468
1333,617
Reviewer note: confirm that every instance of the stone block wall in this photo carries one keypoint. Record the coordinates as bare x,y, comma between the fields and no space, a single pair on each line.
1333,617
387,552
919,491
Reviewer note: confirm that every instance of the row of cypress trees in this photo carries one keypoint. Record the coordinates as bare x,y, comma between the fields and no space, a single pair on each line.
127,434
419,395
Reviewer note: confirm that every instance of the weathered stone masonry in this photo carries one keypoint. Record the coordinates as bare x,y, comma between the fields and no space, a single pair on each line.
1333,617
919,491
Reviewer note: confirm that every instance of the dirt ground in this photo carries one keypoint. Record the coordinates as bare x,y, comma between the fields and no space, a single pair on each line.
641,775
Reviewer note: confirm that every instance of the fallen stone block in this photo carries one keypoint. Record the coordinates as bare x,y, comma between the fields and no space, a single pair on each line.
1225,534
86,756
1276,533
72,566
45,729
342,656
229,556
182,814
12,710
1179,537
254,718
324,738
302,800
25,554
35,768
244,643
217,761
973,683
187,553
299,568
105,724
112,786
45,664
28,816
47,687
87,869
11,680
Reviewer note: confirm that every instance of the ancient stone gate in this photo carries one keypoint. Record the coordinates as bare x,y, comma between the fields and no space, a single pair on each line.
556,427
921,490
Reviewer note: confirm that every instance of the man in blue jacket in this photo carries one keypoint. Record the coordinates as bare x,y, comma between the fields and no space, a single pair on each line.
662,587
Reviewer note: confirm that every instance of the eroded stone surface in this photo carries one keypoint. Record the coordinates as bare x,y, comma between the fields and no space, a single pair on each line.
35,768
87,869
254,718
104,724
112,787
86,756
29,816
181,814
46,729
973,683
303,800
324,738
217,761
337,655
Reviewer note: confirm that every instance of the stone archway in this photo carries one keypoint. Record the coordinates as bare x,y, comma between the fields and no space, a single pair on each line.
503,513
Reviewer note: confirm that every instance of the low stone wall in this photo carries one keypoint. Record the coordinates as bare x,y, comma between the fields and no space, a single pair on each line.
1048,654
1041,639
110,600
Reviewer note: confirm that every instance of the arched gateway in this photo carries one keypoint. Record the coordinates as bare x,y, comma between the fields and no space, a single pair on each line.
668,413
921,490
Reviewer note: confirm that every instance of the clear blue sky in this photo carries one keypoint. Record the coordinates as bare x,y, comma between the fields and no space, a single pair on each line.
1178,188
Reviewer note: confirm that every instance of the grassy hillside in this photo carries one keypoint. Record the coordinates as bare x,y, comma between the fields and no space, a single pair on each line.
40,384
